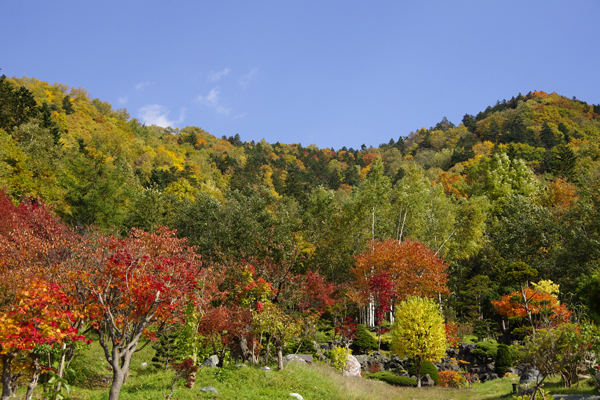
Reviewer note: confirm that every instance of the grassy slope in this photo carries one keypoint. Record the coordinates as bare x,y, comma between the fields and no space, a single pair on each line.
312,382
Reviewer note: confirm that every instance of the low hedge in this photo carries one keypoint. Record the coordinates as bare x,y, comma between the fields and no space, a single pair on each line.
392,379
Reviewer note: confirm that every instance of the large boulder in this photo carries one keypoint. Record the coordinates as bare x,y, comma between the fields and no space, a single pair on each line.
427,381
211,362
530,375
352,367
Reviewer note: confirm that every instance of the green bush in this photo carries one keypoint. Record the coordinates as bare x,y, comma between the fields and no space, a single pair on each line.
503,359
486,350
339,357
364,341
392,379
427,367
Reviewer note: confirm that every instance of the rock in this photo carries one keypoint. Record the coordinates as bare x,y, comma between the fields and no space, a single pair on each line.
211,362
530,376
241,365
306,357
296,395
427,381
352,367
265,368
293,357
209,389
144,365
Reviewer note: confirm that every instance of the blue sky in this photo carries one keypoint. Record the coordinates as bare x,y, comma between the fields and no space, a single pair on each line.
332,73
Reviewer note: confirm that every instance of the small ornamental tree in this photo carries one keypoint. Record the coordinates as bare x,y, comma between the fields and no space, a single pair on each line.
557,350
145,281
271,319
418,332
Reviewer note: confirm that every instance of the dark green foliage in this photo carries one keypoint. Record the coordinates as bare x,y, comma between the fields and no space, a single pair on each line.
503,359
427,367
48,123
16,106
486,351
67,105
364,342
561,161
392,379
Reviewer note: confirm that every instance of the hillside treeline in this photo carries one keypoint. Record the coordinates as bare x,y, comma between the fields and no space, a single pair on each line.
518,182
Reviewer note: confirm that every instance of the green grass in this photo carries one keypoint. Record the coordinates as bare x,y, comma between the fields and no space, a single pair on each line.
317,381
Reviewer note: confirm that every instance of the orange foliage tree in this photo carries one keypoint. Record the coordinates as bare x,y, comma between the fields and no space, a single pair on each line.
541,304
411,266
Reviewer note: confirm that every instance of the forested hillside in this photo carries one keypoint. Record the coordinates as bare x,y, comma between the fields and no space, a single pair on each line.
518,182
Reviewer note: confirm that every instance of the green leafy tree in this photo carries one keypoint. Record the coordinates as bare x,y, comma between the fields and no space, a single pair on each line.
418,332
498,176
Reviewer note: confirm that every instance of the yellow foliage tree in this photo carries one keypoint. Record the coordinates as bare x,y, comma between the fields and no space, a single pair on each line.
418,332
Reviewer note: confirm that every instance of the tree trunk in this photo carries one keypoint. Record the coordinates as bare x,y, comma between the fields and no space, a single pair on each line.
120,367
267,352
280,357
418,361
7,375
37,370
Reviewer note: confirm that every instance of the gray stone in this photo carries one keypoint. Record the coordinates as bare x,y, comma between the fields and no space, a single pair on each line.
530,376
265,368
211,362
144,365
241,365
352,367
208,389
427,381
293,357
296,395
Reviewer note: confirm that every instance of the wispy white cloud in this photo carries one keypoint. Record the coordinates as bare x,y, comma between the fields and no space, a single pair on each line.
215,76
154,114
212,100
240,115
142,85
123,100
247,78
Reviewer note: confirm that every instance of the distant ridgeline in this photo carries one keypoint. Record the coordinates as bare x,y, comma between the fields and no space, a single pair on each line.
448,186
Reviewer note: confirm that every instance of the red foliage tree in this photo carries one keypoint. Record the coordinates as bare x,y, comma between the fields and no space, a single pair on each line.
145,280
41,314
410,266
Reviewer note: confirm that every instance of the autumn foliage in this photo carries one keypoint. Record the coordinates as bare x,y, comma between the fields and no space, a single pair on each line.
412,268
542,304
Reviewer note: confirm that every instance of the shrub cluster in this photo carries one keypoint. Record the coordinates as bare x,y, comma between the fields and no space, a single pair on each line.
451,379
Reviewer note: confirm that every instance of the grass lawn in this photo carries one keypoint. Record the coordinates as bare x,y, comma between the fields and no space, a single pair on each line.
317,381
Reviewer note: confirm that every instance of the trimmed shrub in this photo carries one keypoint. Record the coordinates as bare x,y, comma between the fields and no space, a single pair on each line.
392,379
364,341
503,359
486,350
427,367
